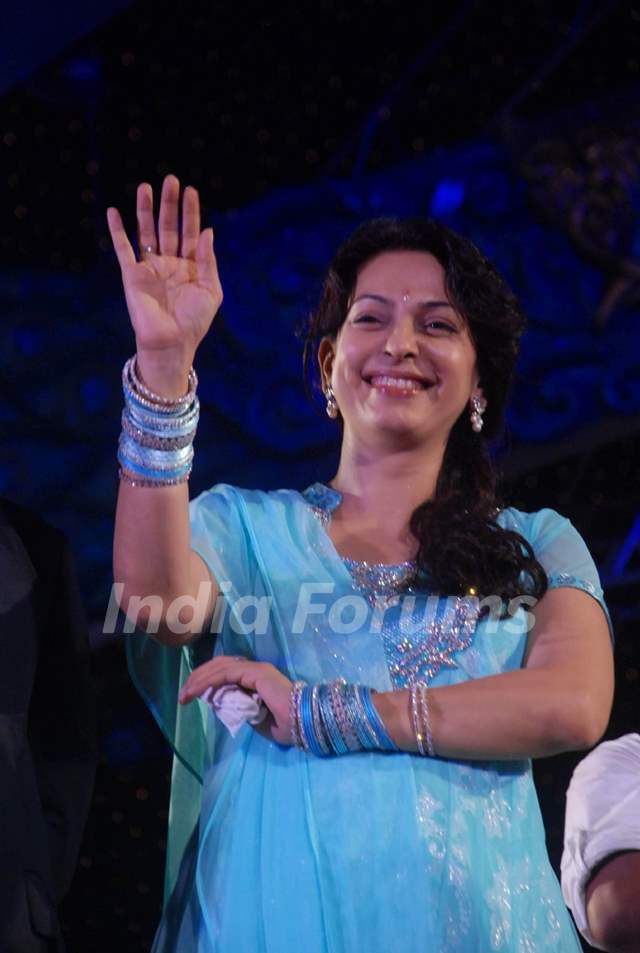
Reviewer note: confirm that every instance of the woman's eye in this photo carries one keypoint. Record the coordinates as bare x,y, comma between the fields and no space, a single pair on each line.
438,325
365,318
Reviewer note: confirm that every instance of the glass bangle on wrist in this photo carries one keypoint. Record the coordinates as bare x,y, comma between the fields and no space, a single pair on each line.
156,442
131,378
421,718
335,719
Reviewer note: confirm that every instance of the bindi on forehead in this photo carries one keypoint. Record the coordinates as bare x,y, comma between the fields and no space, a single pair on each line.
406,298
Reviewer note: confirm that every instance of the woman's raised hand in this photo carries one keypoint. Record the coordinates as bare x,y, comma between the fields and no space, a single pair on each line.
173,292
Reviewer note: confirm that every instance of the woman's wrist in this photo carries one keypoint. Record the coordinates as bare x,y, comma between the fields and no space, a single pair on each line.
404,719
156,443
389,709
166,373
336,718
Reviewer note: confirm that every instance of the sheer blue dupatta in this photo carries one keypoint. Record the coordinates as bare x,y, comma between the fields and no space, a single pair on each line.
358,800
158,671
561,550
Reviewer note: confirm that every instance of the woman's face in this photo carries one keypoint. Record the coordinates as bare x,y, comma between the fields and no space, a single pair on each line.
403,360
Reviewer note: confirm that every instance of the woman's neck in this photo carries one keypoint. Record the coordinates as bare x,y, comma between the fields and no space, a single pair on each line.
385,488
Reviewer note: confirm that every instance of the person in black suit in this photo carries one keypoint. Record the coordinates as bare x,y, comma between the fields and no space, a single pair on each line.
47,729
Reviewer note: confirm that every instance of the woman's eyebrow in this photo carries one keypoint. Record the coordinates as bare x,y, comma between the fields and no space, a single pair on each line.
422,304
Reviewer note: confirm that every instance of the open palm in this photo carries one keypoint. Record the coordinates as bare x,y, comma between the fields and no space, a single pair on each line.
173,292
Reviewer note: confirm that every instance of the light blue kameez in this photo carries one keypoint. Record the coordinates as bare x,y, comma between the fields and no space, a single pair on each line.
272,850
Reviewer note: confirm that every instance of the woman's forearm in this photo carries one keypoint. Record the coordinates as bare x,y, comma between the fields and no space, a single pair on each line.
527,713
166,588
152,540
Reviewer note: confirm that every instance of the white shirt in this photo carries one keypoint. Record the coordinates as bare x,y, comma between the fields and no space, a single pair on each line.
602,817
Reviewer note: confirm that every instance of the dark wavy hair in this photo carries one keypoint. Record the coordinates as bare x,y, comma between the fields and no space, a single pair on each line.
460,543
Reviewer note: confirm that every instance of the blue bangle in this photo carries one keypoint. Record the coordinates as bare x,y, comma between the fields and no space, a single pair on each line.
385,741
307,721
317,722
150,474
154,457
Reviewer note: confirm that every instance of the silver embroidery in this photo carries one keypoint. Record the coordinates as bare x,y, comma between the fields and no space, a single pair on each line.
447,627
417,643
499,900
322,516
557,579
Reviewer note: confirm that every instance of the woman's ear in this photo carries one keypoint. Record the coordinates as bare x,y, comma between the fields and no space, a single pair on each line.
325,360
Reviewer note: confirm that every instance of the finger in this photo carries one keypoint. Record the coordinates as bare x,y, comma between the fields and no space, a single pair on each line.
121,244
206,676
168,219
244,674
190,222
215,665
147,238
206,264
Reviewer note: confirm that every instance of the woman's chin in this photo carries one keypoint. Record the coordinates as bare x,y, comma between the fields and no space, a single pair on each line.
401,424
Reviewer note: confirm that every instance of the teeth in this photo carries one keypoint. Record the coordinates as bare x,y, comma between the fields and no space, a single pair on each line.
403,383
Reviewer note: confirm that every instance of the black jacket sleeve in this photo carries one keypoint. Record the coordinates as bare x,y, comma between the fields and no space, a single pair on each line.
62,730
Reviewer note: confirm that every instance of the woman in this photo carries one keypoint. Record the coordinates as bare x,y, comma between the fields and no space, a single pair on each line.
289,835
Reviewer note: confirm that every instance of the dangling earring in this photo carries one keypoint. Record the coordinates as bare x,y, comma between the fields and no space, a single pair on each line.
478,407
332,406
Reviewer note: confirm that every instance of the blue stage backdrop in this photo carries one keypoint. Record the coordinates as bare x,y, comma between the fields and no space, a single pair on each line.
65,337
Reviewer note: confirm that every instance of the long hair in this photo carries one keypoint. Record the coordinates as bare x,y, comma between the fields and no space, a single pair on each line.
460,544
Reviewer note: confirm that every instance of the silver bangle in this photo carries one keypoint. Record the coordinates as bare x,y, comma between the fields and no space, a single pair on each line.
343,720
294,714
415,720
131,376
426,718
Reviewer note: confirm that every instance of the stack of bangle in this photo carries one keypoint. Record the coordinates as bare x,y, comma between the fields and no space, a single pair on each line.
336,718
156,443
419,708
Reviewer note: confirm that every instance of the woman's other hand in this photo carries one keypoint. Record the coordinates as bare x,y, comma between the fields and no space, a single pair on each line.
273,687
173,292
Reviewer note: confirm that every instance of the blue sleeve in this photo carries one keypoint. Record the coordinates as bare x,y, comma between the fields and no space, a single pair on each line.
561,551
219,537
158,671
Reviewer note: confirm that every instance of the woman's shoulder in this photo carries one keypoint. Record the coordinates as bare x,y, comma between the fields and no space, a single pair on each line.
228,494
536,526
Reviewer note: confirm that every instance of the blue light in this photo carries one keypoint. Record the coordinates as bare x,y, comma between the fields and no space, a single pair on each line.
95,393
448,196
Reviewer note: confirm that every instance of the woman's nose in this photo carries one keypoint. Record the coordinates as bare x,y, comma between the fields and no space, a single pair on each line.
401,339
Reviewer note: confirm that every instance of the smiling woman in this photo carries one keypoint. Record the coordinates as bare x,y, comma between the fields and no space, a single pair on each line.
386,800
413,299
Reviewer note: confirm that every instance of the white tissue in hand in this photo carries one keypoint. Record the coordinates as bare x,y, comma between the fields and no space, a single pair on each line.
234,706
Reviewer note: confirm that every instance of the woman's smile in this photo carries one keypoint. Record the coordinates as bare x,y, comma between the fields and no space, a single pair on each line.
397,387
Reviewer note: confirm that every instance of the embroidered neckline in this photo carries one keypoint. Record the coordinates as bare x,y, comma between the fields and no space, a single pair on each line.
412,652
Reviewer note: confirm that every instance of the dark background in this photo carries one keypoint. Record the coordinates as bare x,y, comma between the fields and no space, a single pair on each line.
516,123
